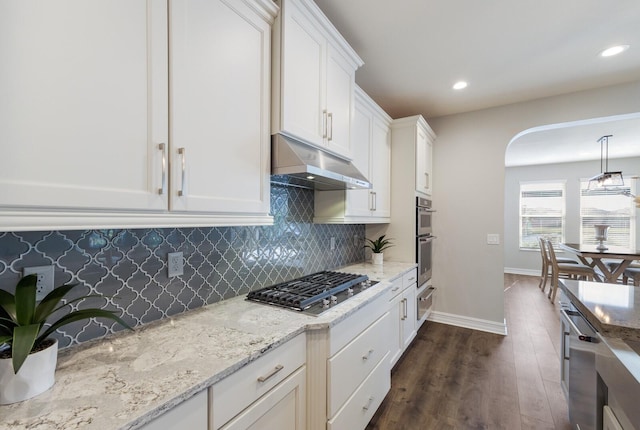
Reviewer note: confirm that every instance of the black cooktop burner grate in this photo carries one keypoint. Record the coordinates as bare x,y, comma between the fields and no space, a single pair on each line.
303,292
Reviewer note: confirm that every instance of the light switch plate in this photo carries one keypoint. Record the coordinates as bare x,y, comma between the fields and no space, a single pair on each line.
175,264
493,239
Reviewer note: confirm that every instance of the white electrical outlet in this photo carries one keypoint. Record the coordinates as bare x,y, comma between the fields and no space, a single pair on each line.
333,243
175,264
493,239
45,279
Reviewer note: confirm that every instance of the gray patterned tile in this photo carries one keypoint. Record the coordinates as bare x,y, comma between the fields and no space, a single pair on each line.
130,265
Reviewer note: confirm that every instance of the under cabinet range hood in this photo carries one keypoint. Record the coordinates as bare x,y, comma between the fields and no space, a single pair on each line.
295,163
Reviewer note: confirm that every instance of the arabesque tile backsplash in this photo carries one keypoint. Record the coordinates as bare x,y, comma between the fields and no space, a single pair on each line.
129,266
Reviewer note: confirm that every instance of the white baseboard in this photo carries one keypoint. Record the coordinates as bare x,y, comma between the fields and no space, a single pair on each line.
469,322
516,271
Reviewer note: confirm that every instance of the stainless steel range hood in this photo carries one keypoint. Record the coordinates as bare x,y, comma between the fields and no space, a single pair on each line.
298,164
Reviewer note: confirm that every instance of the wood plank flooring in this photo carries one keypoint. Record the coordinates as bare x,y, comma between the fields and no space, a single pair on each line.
457,378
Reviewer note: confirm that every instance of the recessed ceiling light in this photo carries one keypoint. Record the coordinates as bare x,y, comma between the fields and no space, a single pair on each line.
460,85
310,177
614,50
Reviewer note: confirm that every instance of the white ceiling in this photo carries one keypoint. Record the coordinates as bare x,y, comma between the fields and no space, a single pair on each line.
508,51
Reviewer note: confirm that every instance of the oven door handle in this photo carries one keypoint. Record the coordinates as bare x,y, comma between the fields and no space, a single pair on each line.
426,238
566,315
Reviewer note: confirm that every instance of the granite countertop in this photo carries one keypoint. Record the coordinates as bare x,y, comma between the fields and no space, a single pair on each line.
612,309
127,379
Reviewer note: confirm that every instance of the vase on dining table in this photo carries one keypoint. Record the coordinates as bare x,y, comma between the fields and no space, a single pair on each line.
601,236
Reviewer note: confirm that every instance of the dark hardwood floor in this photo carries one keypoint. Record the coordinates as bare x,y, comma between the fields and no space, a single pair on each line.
456,378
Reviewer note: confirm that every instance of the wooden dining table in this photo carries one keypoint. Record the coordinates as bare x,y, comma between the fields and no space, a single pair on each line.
589,255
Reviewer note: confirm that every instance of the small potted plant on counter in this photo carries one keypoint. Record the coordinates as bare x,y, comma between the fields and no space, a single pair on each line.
28,356
376,247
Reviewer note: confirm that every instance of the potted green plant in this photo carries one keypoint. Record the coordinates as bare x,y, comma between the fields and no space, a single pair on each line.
27,355
376,247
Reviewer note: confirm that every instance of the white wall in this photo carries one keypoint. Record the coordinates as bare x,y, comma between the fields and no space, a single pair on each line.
521,261
469,190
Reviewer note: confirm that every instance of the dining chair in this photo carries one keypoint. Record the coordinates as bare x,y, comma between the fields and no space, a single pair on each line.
570,270
632,272
546,263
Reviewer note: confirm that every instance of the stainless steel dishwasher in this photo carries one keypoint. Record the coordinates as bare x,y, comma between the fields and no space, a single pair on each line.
583,346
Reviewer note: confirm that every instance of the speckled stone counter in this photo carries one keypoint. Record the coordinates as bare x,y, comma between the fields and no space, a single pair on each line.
128,379
612,309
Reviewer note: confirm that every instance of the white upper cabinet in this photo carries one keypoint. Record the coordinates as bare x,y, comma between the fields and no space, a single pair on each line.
371,138
83,107
413,142
423,161
164,122
314,78
219,92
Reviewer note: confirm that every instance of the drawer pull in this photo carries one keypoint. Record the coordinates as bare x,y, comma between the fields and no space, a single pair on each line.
367,355
275,370
412,279
395,289
368,405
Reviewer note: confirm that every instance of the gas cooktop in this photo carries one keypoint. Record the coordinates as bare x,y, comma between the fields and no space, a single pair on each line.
315,293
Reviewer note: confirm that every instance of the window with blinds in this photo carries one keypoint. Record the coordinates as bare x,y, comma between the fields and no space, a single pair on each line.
611,207
542,212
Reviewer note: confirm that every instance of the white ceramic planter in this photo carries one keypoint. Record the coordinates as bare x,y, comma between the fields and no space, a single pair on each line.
36,376
377,258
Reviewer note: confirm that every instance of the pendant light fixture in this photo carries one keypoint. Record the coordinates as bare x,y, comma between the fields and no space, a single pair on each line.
605,179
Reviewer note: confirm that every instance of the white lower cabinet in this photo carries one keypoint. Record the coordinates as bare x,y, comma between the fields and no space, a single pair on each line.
403,314
190,414
348,368
268,393
363,403
282,408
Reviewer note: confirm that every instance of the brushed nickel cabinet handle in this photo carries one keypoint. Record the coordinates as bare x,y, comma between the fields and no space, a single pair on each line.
426,185
330,127
367,355
275,370
163,184
368,405
375,201
324,124
183,152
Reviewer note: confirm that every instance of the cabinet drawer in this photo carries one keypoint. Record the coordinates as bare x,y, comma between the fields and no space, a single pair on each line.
409,278
348,368
344,332
359,409
191,414
282,408
396,289
239,390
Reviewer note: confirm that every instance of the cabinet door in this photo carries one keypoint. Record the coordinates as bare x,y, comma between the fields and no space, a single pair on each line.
381,169
340,89
282,408
83,104
422,175
396,311
192,414
409,315
303,75
220,68
358,202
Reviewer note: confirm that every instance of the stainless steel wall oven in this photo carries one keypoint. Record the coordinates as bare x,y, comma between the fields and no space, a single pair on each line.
424,239
423,216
